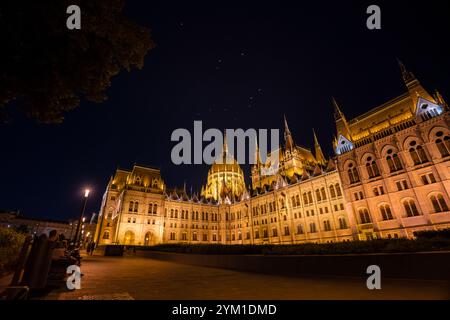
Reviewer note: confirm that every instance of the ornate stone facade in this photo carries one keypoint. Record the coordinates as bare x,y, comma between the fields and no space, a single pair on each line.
390,177
394,163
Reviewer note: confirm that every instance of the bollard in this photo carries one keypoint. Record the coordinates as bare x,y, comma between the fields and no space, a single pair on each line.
21,262
38,264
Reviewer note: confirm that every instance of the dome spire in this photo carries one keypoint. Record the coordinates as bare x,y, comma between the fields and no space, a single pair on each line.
225,145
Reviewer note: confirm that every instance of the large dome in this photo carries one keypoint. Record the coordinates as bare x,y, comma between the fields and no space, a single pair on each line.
226,164
225,178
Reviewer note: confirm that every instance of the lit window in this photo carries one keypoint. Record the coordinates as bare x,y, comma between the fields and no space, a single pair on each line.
386,213
439,203
364,216
327,225
417,153
372,168
410,208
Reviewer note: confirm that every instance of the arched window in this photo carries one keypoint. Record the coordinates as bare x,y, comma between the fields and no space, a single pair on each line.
332,192
310,198
299,229
305,198
323,193
312,227
410,208
393,161
318,197
338,190
417,153
136,206
439,203
353,175
342,223
326,225
386,212
364,216
106,235
443,144
372,168
155,208
131,206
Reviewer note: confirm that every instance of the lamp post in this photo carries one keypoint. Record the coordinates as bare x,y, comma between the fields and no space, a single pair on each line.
80,220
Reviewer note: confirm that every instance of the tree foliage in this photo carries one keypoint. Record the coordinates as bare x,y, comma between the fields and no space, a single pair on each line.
46,68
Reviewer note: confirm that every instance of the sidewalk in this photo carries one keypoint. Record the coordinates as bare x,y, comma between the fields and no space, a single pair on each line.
125,278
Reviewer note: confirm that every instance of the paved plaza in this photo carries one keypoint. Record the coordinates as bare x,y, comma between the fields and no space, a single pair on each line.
124,278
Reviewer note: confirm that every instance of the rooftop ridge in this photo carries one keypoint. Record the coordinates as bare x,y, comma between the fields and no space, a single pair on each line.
375,110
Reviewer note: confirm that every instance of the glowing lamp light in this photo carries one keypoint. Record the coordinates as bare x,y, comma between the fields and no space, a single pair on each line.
86,193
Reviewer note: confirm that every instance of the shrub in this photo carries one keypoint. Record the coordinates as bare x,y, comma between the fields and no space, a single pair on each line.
11,243
355,247
445,234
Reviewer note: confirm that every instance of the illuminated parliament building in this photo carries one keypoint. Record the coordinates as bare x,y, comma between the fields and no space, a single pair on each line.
390,177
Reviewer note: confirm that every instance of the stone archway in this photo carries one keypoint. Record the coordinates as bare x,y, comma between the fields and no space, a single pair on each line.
129,238
149,239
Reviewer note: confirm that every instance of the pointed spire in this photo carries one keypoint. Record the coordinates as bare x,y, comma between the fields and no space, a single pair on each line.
335,142
341,122
414,87
225,145
286,127
257,155
407,75
337,111
440,99
288,136
318,150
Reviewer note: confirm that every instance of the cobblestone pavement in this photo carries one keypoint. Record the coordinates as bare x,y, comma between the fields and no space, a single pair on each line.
124,278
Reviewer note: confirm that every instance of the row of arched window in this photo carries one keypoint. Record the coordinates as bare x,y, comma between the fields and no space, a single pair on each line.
410,209
321,195
152,208
138,180
134,207
416,152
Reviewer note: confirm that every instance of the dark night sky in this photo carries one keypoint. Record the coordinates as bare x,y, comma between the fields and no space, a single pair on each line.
232,65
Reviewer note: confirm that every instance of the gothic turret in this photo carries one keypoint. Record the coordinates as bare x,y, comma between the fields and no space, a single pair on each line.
414,87
288,140
318,151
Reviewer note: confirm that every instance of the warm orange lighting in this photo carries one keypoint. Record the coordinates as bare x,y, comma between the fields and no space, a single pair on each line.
86,193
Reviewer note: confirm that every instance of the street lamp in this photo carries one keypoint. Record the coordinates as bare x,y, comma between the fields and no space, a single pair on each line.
81,219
